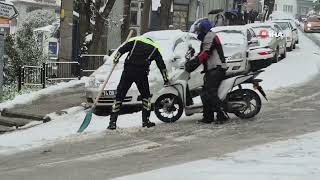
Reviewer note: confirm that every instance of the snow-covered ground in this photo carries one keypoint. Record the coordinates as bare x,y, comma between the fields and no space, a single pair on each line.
294,159
300,65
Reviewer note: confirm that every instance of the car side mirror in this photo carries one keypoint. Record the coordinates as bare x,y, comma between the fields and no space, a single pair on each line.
294,29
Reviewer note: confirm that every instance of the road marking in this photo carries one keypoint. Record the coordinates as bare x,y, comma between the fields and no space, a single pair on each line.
143,146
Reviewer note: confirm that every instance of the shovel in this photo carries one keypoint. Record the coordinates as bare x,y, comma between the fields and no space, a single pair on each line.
88,117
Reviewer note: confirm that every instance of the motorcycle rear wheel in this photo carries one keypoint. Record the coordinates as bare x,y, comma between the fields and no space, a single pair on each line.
168,108
253,101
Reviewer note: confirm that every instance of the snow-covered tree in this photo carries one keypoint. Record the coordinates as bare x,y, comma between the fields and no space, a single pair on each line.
22,47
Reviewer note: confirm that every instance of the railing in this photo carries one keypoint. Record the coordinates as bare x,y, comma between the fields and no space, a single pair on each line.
52,72
48,73
90,63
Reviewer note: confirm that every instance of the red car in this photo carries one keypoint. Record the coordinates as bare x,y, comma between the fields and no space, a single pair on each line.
312,24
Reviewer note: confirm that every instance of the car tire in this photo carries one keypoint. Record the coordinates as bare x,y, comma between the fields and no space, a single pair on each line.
290,48
294,46
284,55
276,56
297,41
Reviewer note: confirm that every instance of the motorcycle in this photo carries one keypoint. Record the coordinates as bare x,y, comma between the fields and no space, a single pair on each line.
244,103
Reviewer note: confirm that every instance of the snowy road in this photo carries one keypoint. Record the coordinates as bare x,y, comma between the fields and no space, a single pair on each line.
290,112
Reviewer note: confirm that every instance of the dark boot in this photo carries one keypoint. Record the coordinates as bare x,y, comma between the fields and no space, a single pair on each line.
145,119
206,121
113,122
221,117
148,124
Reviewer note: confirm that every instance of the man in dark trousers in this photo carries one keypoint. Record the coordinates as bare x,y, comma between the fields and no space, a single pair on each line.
213,60
136,69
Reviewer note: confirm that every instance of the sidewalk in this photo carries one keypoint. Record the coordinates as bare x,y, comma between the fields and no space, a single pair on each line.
46,104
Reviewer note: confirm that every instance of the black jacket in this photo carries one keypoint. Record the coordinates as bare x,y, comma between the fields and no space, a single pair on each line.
142,52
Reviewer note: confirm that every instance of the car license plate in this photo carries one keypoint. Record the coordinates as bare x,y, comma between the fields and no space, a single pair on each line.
110,92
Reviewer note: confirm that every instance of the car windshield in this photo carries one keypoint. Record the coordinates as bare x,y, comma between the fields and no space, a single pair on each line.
314,19
231,37
258,29
283,25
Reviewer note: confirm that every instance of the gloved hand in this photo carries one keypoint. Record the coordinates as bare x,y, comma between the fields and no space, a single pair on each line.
190,53
116,58
167,83
192,65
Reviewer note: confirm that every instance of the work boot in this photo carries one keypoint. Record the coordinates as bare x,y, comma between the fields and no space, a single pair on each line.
206,121
113,122
221,117
112,125
148,124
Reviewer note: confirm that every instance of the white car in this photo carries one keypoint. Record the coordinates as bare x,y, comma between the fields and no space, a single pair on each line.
290,32
242,49
174,45
271,35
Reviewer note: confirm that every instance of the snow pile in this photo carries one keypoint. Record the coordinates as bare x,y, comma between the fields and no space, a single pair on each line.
155,5
28,98
297,158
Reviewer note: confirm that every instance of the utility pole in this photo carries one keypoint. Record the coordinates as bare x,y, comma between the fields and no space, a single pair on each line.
66,27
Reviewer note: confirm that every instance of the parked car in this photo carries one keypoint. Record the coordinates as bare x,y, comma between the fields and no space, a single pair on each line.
270,35
290,33
312,24
174,44
242,49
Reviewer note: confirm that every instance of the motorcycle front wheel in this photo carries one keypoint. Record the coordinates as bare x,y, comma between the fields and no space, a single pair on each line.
168,108
253,102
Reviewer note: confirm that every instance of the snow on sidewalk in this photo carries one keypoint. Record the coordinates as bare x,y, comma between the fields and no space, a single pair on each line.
29,97
300,65
294,159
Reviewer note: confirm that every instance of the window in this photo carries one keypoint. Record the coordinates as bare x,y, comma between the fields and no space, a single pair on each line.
288,8
249,36
134,18
136,13
30,9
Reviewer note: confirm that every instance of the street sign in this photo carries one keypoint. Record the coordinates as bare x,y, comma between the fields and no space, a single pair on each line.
8,11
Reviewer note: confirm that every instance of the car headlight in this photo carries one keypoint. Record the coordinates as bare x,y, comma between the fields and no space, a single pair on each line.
309,25
236,56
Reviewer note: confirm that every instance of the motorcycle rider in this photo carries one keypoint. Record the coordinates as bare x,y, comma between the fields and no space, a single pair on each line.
142,51
213,60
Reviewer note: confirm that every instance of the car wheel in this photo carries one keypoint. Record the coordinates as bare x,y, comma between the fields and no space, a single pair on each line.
294,46
297,41
290,48
284,55
276,56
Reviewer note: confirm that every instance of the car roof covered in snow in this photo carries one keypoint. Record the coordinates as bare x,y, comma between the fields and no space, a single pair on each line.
253,25
231,28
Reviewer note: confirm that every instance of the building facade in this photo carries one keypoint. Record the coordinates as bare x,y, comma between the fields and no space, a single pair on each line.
304,6
286,6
